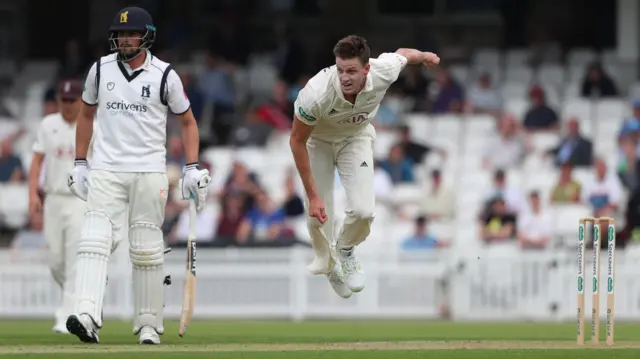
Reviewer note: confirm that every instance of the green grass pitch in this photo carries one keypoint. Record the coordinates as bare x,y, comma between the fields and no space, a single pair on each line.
323,339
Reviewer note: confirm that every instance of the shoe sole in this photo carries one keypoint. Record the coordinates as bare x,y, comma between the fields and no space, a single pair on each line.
76,328
148,341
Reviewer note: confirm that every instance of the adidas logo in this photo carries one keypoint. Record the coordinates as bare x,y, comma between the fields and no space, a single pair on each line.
364,164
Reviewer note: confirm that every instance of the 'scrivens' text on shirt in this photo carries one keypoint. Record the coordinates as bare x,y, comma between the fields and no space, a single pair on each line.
125,109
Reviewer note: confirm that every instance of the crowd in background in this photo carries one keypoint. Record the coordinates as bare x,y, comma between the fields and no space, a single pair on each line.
249,216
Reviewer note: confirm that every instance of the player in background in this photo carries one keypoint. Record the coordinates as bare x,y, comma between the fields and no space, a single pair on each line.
131,92
63,212
332,129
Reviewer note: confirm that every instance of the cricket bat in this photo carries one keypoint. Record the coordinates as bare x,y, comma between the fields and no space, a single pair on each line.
189,291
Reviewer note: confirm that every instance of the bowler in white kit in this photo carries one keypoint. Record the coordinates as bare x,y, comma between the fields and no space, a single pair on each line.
131,91
332,129
63,212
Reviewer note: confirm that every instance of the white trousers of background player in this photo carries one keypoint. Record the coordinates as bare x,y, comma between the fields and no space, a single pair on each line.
354,160
109,194
63,216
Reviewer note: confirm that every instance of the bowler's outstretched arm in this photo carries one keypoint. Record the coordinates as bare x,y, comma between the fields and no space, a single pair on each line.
415,57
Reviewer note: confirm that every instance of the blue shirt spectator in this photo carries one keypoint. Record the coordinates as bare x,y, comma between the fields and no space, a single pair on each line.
399,167
421,238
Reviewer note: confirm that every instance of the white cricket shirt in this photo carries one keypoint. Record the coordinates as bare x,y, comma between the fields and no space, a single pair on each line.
321,102
131,118
56,140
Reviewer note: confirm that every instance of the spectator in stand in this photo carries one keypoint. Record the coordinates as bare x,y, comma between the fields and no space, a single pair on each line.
399,166
540,117
508,147
196,99
604,192
439,200
11,169
49,105
231,215
449,96
597,83
628,149
498,225
293,205
216,86
242,182
278,111
628,161
413,150
421,238
391,108
511,195
253,132
414,85
535,225
263,224
483,98
573,148
568,189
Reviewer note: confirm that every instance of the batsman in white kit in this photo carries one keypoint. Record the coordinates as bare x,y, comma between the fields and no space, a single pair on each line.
332,129
63,212
131,91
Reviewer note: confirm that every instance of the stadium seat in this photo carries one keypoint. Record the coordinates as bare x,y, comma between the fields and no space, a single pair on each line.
14,204
571,91
518,74
383,143
609,57
566,220
576,73
460,73
517,107
487,56
611,110
517,57
577,107
551,75
407,193
542,142
581,56
447,126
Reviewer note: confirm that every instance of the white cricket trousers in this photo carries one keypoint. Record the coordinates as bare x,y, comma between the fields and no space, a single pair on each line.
143,194
110,195
353,159
63,216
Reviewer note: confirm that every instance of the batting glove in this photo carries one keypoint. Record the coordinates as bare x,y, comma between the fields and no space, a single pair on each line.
195,184
77,181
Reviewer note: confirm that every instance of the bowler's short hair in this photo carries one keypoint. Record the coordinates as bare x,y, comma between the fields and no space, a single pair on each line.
353,46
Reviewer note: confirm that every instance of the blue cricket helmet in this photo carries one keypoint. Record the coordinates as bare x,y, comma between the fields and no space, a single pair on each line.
136,19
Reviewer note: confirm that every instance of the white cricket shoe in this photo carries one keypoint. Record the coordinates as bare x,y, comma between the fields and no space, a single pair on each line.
149,335
352,272
337,283
83,327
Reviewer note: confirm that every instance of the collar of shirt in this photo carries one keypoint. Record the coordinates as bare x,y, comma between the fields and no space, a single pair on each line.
145,65
368,85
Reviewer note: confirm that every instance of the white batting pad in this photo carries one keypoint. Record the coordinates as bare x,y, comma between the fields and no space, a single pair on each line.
146,250
94,249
